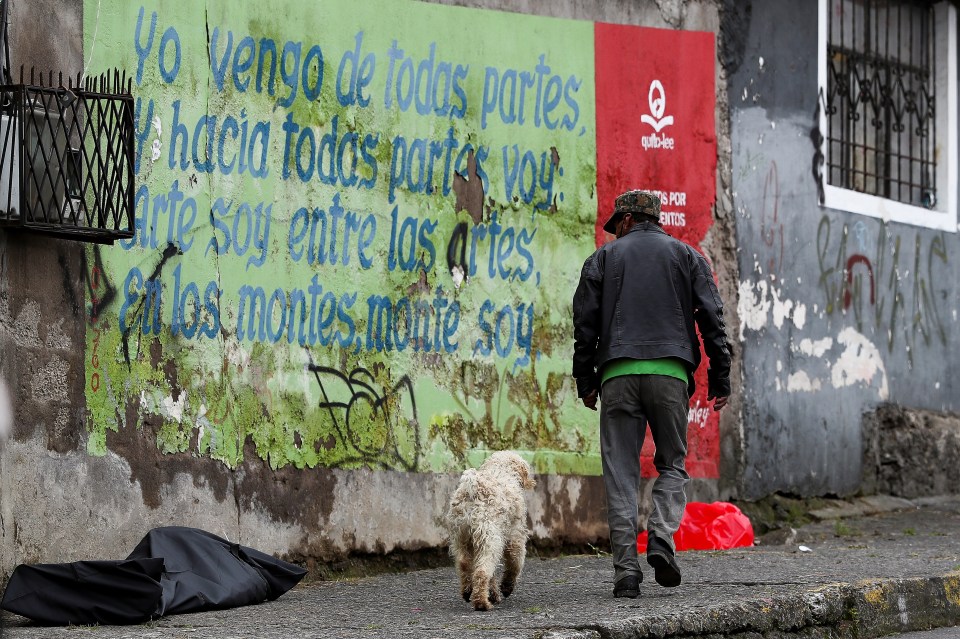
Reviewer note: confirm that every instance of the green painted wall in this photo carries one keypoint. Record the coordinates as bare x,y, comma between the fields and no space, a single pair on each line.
301,168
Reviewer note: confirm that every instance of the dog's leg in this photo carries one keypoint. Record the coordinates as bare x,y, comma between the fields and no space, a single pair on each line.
495,595
464,555
514,555
487,552
480,597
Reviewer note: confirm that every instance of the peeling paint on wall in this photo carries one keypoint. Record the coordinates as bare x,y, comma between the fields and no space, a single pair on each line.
759,303
800,316
781,309
801,382
860,363
753,306
815,348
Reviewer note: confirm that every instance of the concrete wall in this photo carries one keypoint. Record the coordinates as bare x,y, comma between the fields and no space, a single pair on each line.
909,452
125,423
42,331
824,339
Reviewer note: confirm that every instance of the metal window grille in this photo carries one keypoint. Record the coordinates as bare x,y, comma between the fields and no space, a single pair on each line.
66,157
880,100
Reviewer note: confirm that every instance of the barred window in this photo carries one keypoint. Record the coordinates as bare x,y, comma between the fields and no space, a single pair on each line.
880,100
888,109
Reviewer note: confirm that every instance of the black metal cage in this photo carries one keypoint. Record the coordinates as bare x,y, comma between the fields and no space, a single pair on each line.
66,157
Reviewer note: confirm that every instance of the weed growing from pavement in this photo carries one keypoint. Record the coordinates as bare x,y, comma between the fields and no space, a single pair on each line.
842,529
533,609
909,531
779,510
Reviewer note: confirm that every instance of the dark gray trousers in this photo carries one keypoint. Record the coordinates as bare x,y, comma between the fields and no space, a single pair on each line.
628,402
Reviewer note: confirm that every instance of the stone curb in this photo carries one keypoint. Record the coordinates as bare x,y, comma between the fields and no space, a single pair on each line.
864,610
863,506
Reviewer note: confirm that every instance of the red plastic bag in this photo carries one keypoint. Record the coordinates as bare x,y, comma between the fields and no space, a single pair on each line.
716,526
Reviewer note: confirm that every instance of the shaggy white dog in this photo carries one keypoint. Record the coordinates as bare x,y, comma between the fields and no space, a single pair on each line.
488,526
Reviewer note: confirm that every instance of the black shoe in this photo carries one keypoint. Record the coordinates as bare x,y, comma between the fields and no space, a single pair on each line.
661,557
629,586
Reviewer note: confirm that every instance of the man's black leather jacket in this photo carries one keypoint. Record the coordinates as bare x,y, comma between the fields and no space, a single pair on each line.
642,296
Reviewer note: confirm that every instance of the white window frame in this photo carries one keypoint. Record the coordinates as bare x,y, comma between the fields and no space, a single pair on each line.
944,214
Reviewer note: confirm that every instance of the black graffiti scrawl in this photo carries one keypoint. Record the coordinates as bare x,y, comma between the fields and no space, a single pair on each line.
374,426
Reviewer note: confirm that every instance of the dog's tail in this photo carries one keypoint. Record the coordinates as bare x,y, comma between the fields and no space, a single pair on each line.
481,529
460,513
468,484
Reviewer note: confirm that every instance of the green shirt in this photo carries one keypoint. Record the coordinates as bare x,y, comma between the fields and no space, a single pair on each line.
671,366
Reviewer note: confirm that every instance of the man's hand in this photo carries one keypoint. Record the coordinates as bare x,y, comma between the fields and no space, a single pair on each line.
590,400
719,402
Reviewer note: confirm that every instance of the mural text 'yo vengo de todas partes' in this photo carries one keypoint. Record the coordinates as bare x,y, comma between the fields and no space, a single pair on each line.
349,208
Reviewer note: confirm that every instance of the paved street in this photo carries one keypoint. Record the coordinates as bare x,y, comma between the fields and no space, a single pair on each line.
881,573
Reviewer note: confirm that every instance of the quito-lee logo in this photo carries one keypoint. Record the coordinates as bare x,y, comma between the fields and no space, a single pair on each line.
657,99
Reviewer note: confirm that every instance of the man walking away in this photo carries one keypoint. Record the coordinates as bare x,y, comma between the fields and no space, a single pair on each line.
636,312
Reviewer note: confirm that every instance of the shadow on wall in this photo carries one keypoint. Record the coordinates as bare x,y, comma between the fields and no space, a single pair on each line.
910,453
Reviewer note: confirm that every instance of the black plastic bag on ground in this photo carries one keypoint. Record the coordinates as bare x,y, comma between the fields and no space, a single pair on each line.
205,572
86,592
172,570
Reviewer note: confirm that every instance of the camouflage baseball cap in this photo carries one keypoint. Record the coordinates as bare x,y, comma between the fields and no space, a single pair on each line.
633,202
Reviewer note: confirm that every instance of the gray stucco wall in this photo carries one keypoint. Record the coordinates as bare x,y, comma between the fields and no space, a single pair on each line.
41,330
818,352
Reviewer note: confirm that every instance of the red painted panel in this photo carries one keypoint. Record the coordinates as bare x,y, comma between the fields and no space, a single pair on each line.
656,131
